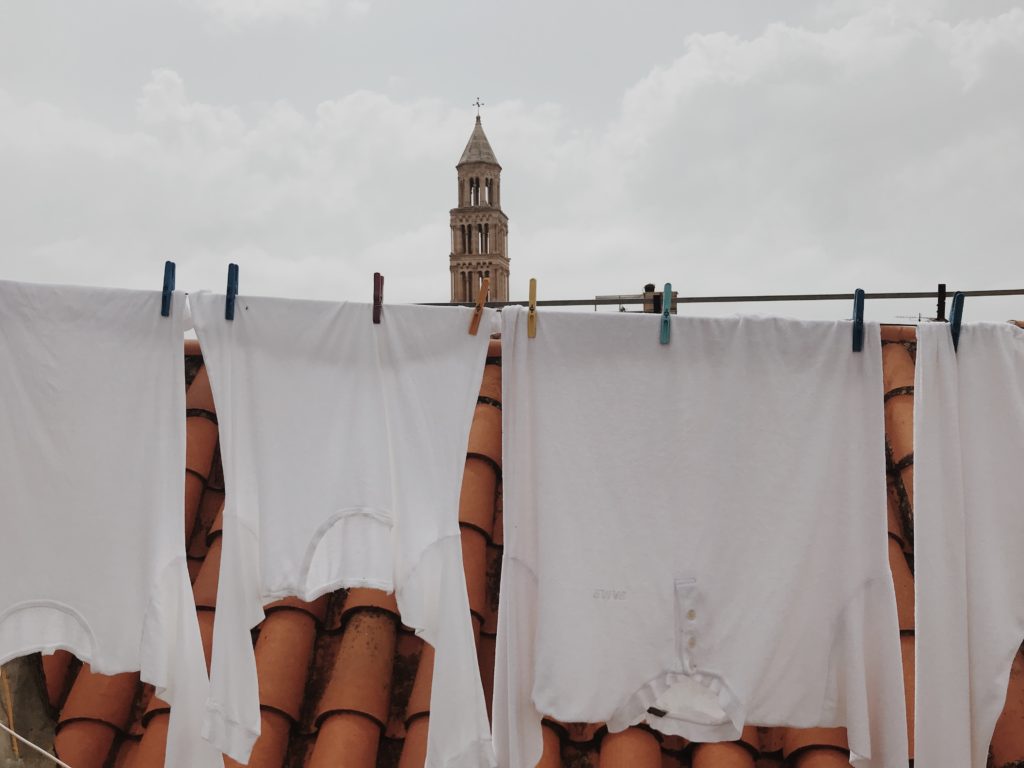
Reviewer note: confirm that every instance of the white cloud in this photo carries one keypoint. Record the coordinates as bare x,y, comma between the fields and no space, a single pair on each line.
882,150
254,11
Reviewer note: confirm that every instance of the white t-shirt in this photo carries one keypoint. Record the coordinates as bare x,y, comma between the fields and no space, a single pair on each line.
343,445
695,533
92,470
968,536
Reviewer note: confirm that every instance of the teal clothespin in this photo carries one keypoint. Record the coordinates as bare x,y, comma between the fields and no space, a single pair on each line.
232,292
956,315
858,320
666,314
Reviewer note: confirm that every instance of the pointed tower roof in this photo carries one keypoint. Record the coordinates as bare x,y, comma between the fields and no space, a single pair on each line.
478,149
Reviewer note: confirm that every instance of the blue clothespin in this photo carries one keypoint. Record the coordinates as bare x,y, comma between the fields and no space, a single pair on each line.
229,301
956,313
666,314
165,299
858,320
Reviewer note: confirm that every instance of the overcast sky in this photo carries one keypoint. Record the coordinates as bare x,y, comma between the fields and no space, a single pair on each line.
729,147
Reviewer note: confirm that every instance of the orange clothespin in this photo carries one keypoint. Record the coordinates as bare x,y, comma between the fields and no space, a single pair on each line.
531,318
481,299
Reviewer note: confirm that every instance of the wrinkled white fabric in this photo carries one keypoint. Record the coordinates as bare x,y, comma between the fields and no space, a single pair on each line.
343,444
968,536
92,468
695,533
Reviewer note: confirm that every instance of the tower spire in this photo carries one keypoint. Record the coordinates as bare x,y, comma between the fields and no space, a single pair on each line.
479,228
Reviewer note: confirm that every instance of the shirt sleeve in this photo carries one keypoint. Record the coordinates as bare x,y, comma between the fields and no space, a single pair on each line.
433,600
232,722
518,739
943,707
173,662
867,672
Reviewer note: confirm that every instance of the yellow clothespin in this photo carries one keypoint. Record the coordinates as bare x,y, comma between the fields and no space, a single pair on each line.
481,299
531,318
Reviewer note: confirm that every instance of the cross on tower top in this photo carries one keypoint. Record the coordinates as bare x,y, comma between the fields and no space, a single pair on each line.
478,104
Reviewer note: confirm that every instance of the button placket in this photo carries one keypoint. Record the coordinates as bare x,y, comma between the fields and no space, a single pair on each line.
687,626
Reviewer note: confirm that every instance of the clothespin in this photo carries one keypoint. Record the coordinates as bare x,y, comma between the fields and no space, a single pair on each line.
478,312
956,313
531,317
229,299
378,296
858,320
165,299
666,313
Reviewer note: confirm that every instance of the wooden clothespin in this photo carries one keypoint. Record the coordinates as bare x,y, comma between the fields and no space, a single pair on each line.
531,317
165,298
229,299
956,314
378,296
858,320
478,312
666,314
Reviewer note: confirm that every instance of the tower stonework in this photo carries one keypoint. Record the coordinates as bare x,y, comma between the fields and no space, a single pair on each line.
479,226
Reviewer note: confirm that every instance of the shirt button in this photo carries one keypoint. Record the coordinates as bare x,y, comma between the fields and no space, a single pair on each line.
691,642
691,614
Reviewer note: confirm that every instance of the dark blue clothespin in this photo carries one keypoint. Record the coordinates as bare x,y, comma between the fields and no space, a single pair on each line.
666,314
956,313
165,299
378,296
858,320
229,299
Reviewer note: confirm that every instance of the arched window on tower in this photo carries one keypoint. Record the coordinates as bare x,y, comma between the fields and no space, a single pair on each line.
488,192
487,239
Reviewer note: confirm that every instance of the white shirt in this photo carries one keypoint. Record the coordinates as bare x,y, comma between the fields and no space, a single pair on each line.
343,444
695,533
92,469
968,536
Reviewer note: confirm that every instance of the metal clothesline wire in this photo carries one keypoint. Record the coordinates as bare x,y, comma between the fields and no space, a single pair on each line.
640,299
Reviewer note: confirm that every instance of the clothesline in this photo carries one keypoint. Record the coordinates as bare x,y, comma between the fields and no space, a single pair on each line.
642,299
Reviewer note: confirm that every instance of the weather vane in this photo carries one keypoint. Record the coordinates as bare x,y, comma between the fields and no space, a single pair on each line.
478,104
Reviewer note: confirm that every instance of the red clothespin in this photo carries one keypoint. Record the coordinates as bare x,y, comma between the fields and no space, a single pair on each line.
378,296
481,299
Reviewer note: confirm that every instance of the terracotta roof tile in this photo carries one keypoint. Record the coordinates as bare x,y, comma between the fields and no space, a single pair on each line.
85,743
631,748
479,489
722,755
360,681
58,676
97,709
347,734
551,757
153,745
1008,739
284,651
903,580
485,434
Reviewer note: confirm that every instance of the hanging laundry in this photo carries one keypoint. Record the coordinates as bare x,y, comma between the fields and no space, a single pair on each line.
695,533
343,444
92,462
968,535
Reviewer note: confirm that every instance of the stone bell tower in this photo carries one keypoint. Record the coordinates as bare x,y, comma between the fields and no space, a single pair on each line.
479,227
